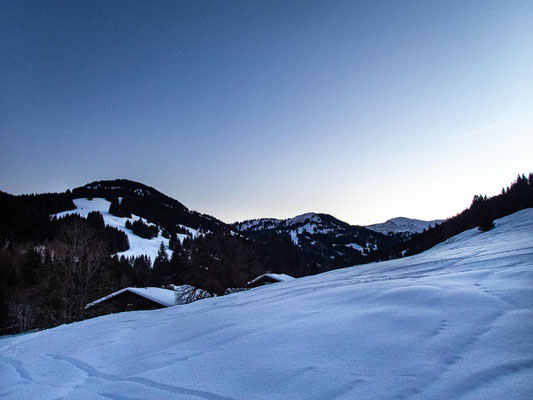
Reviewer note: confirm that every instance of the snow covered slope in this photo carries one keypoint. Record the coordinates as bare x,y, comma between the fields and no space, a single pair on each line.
308,219
453,322
403,225
138,245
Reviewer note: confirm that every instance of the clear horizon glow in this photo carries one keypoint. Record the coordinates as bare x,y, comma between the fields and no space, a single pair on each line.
363,110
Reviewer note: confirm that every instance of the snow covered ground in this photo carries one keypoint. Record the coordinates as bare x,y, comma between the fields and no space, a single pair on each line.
138,245
455,322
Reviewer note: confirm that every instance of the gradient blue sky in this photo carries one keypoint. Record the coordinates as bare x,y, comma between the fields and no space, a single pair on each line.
363,109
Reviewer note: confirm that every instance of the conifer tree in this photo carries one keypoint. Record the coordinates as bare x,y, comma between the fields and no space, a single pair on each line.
161,270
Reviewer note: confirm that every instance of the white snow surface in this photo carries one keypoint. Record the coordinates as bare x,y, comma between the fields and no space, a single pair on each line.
403,225
356,246
300,219
455,322
138,245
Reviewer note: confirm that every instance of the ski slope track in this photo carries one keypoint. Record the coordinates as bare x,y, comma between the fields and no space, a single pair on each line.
455,322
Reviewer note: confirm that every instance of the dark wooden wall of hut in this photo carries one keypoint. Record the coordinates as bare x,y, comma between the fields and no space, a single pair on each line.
126,301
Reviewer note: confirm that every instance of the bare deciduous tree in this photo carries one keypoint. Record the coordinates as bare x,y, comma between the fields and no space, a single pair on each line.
82,255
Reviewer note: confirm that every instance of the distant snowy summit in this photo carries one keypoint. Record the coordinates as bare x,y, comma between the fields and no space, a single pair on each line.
403,225
312,221
274,223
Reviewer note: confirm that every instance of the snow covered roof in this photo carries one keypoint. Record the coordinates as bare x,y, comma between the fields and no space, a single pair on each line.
277,277
165,297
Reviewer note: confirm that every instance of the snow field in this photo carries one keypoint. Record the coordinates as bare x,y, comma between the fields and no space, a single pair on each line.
453,322
138,245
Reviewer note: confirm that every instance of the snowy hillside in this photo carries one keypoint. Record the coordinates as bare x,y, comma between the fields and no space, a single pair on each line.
309,219
453,322
319,232
403,225
138,245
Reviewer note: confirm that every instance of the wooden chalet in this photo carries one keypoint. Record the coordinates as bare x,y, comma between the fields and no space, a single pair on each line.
268,278
131,299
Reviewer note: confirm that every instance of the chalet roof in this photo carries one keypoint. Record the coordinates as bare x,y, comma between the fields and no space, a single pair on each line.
277,277
164,297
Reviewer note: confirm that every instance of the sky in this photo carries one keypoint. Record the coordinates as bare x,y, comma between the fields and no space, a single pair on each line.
365,110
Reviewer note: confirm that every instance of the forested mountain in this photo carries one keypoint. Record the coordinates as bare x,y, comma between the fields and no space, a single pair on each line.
322,239
147,202
60,251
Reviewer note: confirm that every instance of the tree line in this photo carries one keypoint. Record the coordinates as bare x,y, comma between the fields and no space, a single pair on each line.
482,212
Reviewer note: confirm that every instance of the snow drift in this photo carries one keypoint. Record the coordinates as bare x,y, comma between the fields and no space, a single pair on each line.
453,322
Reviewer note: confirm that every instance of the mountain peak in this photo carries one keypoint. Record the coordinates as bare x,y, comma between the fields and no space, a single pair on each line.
302,218
403,225
119,184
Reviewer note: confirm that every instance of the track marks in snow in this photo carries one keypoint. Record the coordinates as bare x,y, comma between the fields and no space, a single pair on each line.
184,358
490,293
207,332
93,372
176,389
454,359
442,325
490,375
342,391
89,370
472,340
113,396
18,366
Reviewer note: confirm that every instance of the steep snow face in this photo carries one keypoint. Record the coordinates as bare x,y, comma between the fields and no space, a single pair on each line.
403,225
138,245
453,322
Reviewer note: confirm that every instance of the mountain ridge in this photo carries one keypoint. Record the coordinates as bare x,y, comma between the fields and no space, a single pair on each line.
326,239
403,225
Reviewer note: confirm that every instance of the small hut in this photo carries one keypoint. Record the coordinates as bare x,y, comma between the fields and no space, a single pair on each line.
268,278
131,299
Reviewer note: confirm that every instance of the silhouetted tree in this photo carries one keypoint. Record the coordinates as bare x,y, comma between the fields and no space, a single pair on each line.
118,210
81,257
161,267
486,222
96,220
